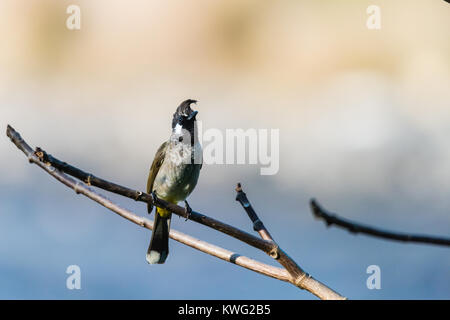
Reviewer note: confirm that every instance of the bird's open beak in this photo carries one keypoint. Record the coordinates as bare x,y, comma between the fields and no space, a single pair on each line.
192,115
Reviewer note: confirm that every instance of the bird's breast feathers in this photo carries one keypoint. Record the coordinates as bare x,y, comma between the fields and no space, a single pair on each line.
178,176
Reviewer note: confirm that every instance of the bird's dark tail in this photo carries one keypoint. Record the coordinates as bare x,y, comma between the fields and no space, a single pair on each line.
159,245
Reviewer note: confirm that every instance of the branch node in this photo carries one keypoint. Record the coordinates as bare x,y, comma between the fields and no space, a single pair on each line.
299,280
88,180
257,225
275,252
138,195
39,153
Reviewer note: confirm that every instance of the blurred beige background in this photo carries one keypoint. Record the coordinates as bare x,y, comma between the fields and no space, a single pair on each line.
311,68
363,114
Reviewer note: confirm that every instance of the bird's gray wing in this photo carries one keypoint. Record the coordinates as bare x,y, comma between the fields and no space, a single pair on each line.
157,162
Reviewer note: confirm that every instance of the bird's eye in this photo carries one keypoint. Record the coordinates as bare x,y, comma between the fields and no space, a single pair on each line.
180,139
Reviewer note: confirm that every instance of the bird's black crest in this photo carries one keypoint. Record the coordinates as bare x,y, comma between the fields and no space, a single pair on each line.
183,110
185,107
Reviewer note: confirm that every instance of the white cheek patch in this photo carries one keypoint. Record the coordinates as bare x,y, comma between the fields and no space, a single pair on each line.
178,128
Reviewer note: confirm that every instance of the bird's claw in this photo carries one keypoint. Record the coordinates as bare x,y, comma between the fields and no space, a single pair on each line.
154,199
187,210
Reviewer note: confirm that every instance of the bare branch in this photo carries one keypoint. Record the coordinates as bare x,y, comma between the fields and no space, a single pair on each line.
353,227
55,167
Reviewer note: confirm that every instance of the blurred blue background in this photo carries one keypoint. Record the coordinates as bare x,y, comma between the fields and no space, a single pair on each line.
364,124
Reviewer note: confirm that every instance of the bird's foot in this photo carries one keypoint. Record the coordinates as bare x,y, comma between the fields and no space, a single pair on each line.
187,209
154,199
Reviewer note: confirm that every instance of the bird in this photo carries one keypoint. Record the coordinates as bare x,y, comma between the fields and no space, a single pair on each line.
173,176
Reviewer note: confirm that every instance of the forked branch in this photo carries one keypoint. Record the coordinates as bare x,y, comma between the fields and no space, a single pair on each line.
290,273
299,276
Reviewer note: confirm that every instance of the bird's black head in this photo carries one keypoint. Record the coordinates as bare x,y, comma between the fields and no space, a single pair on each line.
184,115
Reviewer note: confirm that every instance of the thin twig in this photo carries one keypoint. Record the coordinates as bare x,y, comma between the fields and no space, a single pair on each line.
353,227
42,159
258,226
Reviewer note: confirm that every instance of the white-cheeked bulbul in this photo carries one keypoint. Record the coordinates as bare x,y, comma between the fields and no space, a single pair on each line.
173,175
